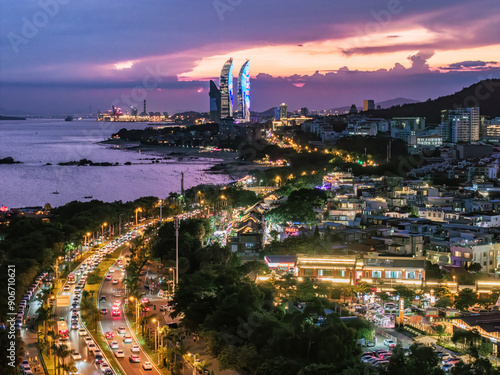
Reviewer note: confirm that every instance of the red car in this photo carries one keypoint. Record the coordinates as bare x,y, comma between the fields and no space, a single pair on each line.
108,277
146,308
144,300
116,312
110,335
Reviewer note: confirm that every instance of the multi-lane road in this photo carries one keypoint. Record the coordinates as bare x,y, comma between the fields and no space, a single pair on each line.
112,323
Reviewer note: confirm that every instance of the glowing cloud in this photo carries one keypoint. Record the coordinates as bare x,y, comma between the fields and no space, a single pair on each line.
124,65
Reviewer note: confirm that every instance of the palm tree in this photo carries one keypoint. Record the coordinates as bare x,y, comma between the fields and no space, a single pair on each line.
45,314
92,316
62,352
202,366
53,336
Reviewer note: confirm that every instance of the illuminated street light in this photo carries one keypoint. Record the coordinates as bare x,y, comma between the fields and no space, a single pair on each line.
138,209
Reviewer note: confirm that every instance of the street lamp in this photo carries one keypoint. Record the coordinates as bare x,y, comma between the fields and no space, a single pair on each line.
87,240
157,332
177,224
173,279
102,229
138,209
161,206
136,314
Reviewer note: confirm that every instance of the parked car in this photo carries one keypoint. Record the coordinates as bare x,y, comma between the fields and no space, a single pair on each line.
389,343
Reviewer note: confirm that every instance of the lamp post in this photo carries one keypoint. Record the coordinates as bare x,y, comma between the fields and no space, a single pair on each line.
138,209
161,215
102,229
136,314
177,224
87,241
157,331
173,279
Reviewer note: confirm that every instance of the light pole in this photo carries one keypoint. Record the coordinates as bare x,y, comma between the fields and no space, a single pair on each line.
173,280
157,332
87,240
161,215
177,224
136,314
102,229
138,209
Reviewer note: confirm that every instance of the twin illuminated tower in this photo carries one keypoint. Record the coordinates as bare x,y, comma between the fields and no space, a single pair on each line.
221,100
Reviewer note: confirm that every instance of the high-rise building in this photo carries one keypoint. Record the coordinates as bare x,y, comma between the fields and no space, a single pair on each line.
283,111
244,92
304,111
215,103
368,104
226,89
460,125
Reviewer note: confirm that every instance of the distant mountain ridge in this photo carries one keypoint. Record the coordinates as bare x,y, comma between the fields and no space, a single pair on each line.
484,94
383,104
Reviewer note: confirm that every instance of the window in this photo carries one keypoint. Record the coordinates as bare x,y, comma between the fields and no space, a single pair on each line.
308,271
467,255
367,274
340,273
458,254
410,274
376,274
419,276
393,274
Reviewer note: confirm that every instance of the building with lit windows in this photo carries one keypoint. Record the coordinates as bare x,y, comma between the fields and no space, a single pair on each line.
244,92
378,270
226,89
460,125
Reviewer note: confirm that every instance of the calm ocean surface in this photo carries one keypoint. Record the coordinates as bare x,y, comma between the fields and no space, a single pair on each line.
37,142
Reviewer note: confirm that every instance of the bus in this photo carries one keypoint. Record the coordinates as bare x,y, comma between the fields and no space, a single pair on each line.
71,278
62,329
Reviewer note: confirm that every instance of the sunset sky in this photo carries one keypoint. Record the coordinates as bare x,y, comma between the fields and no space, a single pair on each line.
65,55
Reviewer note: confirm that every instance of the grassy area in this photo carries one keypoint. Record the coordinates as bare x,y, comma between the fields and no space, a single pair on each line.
102,269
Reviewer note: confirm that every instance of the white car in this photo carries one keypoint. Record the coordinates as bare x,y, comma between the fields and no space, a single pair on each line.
74,325
119,354
135,349
104,367
76,356
82,332
147,366
113,345
389,343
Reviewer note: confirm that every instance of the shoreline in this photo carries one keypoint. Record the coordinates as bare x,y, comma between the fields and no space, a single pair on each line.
224,162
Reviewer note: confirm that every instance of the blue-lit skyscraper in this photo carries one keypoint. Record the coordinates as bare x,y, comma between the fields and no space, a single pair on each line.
226,89
244,92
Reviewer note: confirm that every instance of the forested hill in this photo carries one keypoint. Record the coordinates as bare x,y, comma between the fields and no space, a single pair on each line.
485,94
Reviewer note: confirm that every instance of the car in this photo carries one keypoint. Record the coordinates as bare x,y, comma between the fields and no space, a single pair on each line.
113,345
103,298
115,312
104,366
108,277
121,330
147,366
389,343
146,308
444,356
109,335
76,356
134,358
111,270
144,301
82,332
117,303
127,339
119,354
88,339
104,311
67,288
115,281
74,325
135,349
98,358
25,363
91,347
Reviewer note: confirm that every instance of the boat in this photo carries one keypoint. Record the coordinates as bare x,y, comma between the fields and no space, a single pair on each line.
55,192
88,197
69,118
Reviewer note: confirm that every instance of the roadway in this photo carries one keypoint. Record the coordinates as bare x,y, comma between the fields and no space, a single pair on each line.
111,323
